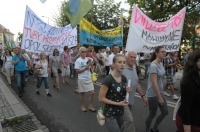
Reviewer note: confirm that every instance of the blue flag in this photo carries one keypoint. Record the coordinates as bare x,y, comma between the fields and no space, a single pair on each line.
74,5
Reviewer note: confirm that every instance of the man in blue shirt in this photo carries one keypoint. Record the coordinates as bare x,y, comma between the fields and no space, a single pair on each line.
20,69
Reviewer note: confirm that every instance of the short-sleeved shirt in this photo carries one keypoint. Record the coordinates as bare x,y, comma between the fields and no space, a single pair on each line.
116,92
8,61
172,69
130,73
160,71
81,64
110,59
35,58
67,58
55,61
21,65
147,61
45,68
73,54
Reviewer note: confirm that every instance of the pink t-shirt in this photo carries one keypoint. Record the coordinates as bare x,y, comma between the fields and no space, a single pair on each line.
66,58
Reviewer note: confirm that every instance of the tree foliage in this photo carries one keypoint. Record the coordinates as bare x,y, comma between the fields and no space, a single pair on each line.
157,9
104,14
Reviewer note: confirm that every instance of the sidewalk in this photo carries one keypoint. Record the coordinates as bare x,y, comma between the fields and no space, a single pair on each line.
12,107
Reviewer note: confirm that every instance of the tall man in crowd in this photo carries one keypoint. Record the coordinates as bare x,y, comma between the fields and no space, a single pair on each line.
19,61
115,50
130,73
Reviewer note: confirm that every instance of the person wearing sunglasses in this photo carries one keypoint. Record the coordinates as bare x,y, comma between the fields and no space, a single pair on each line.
55,65
85,84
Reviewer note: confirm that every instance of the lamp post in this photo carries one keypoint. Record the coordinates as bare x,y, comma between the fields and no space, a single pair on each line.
47,18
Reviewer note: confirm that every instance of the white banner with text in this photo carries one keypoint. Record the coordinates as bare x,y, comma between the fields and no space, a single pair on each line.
39,37
145,34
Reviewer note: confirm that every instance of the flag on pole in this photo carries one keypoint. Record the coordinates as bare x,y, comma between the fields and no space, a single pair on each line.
73,5
84,7
43,1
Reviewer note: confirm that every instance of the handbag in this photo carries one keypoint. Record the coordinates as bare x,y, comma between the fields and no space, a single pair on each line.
39,71
100,117
59,70
94,76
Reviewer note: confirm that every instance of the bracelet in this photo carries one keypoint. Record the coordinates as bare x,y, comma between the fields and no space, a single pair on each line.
142,96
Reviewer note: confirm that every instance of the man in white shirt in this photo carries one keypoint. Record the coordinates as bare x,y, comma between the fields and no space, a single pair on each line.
115,50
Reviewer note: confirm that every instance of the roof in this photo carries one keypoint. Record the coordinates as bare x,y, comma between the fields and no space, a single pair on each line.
5,30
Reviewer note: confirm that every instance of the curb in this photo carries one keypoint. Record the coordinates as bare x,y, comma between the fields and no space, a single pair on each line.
16,104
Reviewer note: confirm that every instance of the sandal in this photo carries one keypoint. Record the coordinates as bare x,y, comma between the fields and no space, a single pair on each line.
92,109
83,110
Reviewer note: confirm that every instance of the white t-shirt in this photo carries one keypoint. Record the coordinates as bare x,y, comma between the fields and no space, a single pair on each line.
110,59
8,62
81,64
45,68
35,58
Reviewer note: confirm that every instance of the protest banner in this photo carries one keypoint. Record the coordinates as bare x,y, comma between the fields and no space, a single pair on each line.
145,34
90,35
39,37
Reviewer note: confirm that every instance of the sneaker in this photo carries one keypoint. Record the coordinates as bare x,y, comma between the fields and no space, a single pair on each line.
49,95
166,94
175,97
37,92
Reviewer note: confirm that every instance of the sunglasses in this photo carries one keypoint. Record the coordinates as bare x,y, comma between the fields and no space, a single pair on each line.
84,51
56,52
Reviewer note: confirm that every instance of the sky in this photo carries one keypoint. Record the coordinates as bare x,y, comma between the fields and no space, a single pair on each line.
12,12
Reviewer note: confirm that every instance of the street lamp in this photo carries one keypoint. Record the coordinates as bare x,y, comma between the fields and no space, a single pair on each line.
47,18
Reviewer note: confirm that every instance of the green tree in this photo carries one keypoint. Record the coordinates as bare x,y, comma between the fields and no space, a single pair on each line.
104,14
61,19
157,9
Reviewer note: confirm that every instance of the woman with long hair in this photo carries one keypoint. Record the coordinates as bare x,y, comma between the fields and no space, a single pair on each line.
65,64
7,66
42,64
188,115
112,93
55,65
155,93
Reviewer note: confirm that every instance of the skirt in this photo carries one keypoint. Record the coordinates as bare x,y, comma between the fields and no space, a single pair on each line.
85,86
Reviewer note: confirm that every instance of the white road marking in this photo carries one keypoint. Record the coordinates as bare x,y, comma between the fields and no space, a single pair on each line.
169,103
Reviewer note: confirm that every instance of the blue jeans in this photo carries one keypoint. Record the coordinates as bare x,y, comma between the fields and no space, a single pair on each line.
40,80
20,75
114,124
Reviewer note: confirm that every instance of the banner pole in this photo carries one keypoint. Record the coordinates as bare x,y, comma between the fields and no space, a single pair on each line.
90,32
122,28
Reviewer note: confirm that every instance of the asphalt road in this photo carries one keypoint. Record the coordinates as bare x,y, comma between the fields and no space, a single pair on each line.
61,112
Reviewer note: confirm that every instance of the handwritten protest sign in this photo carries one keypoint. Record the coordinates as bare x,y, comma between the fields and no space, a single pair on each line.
38,36
89,34
145,34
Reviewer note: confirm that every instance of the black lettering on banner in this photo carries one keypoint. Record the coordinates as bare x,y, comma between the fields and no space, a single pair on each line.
172,36
172,47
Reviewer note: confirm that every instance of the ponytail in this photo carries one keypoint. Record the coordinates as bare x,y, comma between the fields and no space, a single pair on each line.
157,49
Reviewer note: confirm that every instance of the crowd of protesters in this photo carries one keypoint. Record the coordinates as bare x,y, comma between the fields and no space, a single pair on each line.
119,68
